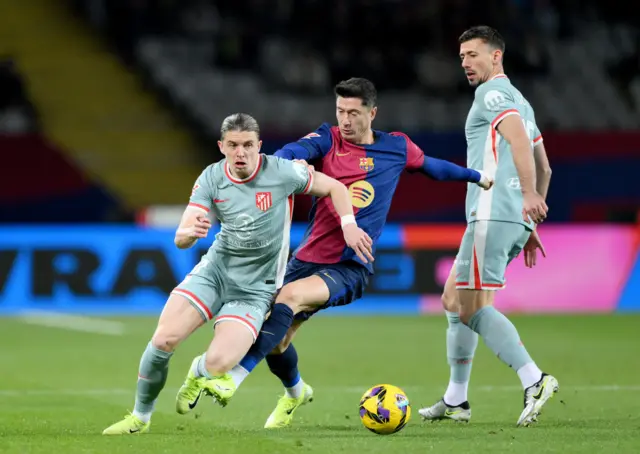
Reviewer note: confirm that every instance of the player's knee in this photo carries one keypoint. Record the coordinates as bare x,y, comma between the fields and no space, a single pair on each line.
219,363
293,296
449,301
165,340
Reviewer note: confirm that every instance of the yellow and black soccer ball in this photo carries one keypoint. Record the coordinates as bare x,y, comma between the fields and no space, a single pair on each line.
385,409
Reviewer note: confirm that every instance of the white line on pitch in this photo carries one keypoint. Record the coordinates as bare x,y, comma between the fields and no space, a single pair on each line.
339,389
73,322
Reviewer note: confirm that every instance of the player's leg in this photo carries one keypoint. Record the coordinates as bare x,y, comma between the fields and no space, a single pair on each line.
330,285
488,256
203,288
461,346
178,320
283,363
236,329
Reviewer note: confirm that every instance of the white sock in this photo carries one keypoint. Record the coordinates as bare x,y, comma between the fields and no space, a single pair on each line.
238,374
296,390
144,417
199,369
456,393
529,374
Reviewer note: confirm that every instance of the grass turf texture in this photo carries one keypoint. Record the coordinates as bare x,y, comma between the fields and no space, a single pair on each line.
60,388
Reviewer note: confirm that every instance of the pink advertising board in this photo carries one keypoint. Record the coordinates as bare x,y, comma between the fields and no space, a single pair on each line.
584,271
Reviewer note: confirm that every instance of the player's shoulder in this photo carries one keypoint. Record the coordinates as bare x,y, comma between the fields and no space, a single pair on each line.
213,170
324,130
494,88
397,139
271,163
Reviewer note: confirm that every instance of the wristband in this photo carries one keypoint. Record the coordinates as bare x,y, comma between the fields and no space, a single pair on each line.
347,219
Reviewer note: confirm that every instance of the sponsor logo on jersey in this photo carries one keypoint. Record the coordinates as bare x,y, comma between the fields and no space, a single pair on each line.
513,183
495,101
362,194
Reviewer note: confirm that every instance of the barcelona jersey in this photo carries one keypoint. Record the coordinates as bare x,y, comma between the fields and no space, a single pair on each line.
371,172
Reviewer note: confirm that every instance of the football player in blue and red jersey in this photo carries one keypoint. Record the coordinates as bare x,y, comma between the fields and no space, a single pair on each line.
323,271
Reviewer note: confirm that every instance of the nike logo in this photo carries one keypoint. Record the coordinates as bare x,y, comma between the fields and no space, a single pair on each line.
329,276
342,154
290,411
267,332
249,316
132,431
451,413
220,200
221,388
193,404
537,396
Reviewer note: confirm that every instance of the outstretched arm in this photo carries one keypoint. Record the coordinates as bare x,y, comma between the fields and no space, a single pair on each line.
441,170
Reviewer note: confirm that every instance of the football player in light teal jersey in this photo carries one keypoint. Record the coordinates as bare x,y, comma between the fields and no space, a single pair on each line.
252,196
503,141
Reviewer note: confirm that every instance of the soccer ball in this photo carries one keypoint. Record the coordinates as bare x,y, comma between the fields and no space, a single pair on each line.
384,409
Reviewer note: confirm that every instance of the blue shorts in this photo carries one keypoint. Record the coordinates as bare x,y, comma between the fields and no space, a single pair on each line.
346,281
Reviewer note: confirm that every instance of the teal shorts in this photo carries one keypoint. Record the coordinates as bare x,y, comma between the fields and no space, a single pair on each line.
208,288
487,248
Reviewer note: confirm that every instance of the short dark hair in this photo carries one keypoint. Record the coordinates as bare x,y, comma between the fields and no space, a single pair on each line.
357,87
487,34
239,122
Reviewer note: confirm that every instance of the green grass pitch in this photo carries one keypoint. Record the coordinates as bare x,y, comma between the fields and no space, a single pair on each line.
60,388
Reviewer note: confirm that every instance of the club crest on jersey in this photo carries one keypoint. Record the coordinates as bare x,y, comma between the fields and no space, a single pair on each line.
263,200
366,164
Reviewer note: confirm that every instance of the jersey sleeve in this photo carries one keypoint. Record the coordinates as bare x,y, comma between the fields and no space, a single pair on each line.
314,145
537,136
495,103
203,192
415,156
296,177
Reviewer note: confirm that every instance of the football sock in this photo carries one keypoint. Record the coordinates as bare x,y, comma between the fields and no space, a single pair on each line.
461,346
529,374
199,369
502,338
285,367
238,374
273,331
152,375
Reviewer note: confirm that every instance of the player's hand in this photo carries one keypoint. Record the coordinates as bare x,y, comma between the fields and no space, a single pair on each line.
303,162
531,250
200,229
486,182
358,240
534,207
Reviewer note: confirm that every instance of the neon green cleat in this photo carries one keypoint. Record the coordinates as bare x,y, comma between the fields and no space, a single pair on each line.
129,425
221,388
190,391
282,416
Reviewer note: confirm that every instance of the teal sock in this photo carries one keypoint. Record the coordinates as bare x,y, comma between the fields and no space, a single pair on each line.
461,346
500,336
152,375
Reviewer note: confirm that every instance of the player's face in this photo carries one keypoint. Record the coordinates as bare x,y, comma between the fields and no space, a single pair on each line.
479,60
354,119
241,148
